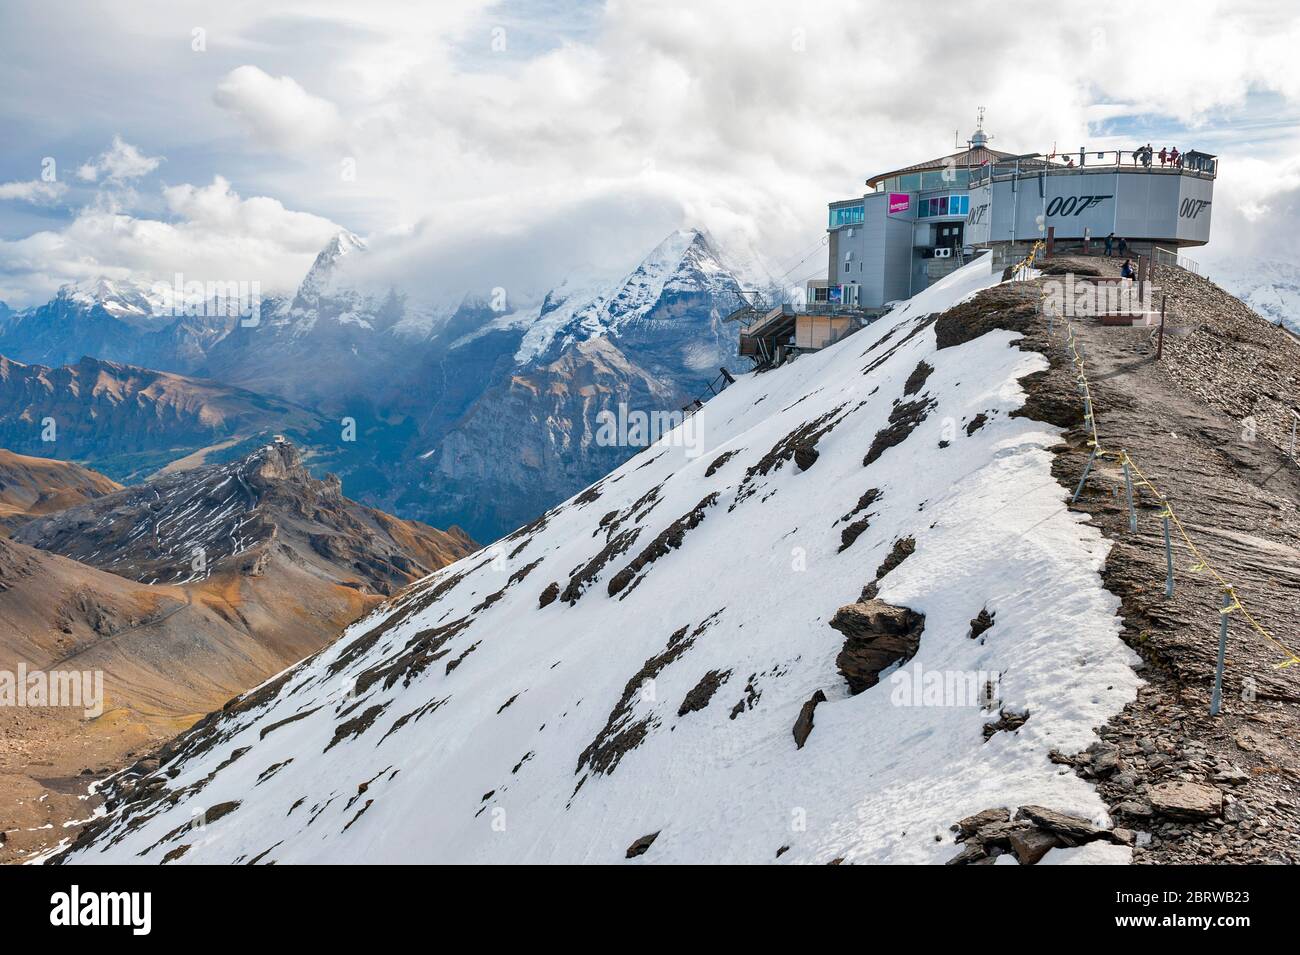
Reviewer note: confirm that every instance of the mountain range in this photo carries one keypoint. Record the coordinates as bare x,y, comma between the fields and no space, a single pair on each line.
429,393
129,422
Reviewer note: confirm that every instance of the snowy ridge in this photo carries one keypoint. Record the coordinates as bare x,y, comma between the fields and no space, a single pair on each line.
487,716
131,301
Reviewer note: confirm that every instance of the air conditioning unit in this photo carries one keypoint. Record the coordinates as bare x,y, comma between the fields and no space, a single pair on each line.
943,253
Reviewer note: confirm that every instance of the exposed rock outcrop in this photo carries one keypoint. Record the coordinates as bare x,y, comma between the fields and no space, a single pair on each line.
803,726
877,635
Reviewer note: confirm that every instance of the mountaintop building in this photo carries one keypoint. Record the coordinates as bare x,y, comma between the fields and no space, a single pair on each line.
917,223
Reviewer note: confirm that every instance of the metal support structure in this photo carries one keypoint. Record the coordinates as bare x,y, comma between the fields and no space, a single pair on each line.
1216,700
1169,557
1160,343
1086,468
1128,496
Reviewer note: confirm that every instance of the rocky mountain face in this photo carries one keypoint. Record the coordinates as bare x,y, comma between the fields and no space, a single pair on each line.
535,437
718,652
643,345
238,517
127,421
31,487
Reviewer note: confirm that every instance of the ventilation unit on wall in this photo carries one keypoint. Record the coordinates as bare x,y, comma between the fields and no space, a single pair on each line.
942,253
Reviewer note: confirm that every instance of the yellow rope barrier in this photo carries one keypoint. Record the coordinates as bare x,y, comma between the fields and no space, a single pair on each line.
1028,261
1123,457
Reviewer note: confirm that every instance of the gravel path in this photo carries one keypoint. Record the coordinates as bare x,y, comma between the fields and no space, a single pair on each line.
1184,422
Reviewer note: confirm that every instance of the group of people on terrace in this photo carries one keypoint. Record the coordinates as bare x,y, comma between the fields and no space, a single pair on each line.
1168,156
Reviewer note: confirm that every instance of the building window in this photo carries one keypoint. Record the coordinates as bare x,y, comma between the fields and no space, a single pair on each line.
847,215
943,206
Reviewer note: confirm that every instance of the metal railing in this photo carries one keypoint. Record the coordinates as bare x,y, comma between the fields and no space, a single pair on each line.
1095,161
1169,257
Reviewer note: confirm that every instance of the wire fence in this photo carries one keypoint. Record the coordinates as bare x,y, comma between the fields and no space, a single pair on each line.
1134,475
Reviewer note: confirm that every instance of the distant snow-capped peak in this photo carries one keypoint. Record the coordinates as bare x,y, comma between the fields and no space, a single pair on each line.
130,300
324,272
685,261
1270,286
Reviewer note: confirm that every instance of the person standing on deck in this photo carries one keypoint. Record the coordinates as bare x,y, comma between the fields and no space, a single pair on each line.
1110,242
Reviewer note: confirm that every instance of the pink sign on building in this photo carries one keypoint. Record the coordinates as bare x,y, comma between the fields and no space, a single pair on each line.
899,202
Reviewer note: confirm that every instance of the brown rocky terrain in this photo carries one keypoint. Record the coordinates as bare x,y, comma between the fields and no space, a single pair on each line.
31,487
1208,425
288,562
129,421
240,516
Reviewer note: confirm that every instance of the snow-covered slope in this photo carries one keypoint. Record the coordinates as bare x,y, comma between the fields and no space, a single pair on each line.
634,662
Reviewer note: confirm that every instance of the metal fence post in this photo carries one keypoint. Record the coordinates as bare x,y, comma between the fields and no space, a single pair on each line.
1086,468
1160,343
1216,700
1169,556
1128,495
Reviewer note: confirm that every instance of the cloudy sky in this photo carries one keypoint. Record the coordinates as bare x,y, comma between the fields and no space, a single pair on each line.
510,143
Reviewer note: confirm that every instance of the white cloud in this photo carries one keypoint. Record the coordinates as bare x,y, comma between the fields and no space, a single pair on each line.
741,116
35,191
277,110
120,162
215,236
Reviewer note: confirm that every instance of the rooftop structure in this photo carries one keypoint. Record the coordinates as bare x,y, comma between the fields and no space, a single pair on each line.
919,222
